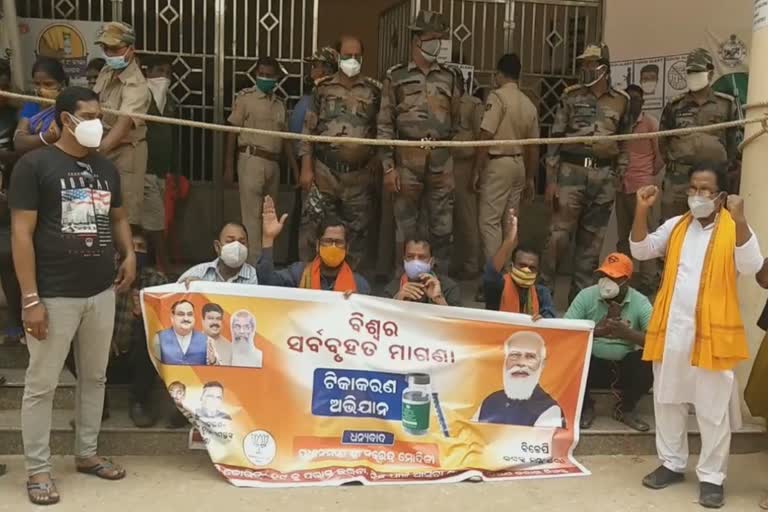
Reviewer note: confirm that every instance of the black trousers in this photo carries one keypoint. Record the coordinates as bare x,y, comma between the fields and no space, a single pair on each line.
10,285
628,380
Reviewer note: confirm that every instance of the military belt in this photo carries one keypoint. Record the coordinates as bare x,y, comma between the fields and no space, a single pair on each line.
494,157
341,166
261,153
586,161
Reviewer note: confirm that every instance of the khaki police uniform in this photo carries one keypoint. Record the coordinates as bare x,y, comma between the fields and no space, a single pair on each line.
467,253
258,162
126,90
509,115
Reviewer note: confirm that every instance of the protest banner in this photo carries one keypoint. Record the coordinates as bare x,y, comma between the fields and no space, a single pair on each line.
293,387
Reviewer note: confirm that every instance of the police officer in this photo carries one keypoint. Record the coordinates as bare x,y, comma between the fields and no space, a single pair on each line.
122,86
581,178
258,156
700,106
337,176
505,174
420,101
466,255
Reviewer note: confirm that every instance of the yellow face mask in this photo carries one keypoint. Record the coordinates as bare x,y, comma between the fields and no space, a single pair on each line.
45,92
523,277
332,256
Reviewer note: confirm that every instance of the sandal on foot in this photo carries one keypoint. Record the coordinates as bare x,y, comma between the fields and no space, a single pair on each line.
105,470
43,493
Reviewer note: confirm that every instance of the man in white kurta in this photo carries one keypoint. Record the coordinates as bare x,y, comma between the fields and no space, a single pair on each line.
676,382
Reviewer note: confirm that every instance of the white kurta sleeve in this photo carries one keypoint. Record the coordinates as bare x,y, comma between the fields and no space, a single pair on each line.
655,244
749,259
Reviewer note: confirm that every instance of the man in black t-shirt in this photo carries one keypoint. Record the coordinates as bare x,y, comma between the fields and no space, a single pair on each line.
66,206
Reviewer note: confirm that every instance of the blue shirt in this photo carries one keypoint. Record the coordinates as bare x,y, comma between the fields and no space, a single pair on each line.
493,286
296,122
291,277
39,119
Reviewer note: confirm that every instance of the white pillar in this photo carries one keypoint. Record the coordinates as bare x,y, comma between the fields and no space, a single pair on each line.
754,181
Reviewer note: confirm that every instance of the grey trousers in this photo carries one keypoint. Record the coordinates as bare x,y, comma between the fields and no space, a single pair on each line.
88,322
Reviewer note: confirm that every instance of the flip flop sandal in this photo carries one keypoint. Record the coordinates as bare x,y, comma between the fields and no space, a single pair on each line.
105,470
42,493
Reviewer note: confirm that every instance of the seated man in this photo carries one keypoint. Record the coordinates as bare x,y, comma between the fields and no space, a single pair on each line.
231,248
419,283
515,290
621,315
522,401
328,271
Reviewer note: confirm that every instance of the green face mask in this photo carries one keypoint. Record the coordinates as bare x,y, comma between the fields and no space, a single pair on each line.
266,85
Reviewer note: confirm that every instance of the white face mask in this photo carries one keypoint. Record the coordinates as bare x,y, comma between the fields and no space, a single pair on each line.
430,49
234,254
159,87
701,207
608,288
698,81
648,87
350,67
88,133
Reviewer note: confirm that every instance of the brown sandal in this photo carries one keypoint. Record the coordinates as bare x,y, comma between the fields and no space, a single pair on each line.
105,470
43,493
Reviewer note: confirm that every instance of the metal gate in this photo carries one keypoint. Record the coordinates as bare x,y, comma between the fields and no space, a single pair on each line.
215,44
546,34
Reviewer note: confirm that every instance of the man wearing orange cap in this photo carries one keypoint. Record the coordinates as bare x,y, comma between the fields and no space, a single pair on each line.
621,316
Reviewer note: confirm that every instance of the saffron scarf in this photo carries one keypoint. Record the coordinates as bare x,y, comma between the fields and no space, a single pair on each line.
719,343
345,279
510,298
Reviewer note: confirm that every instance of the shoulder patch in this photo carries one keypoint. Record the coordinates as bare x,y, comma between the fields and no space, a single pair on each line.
375,83
623,93
678,98
394,68
572,88
323,80
247,90
725,96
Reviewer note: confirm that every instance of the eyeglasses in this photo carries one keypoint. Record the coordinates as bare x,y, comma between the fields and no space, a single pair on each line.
328,242
702,193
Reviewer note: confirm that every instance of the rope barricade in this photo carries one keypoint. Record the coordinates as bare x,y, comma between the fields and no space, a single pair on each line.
432,143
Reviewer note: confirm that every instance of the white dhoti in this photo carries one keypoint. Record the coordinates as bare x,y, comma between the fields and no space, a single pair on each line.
676,382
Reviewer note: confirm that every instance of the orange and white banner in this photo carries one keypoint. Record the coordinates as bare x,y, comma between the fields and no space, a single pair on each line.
293,387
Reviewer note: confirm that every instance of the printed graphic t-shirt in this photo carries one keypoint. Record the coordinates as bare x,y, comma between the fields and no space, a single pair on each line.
74,253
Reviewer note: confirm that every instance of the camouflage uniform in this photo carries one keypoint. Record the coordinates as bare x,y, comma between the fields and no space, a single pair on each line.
586,175
681,153
342,171
418,105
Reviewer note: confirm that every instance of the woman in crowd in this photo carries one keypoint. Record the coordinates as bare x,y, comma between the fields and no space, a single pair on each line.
36,124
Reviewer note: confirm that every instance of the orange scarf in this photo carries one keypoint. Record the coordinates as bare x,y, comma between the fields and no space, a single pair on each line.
510,298
345,279
720,343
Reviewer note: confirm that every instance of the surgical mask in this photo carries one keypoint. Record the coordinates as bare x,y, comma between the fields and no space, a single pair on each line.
414,268
350,67
648,87
88,133
590,77
233,254
430,49
332,256
48,93
159,87
608,288
116,63
698,81
523,277
266,85
701,207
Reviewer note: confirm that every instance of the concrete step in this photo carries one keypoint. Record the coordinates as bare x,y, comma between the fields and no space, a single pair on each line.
14,355
120,437
12,392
